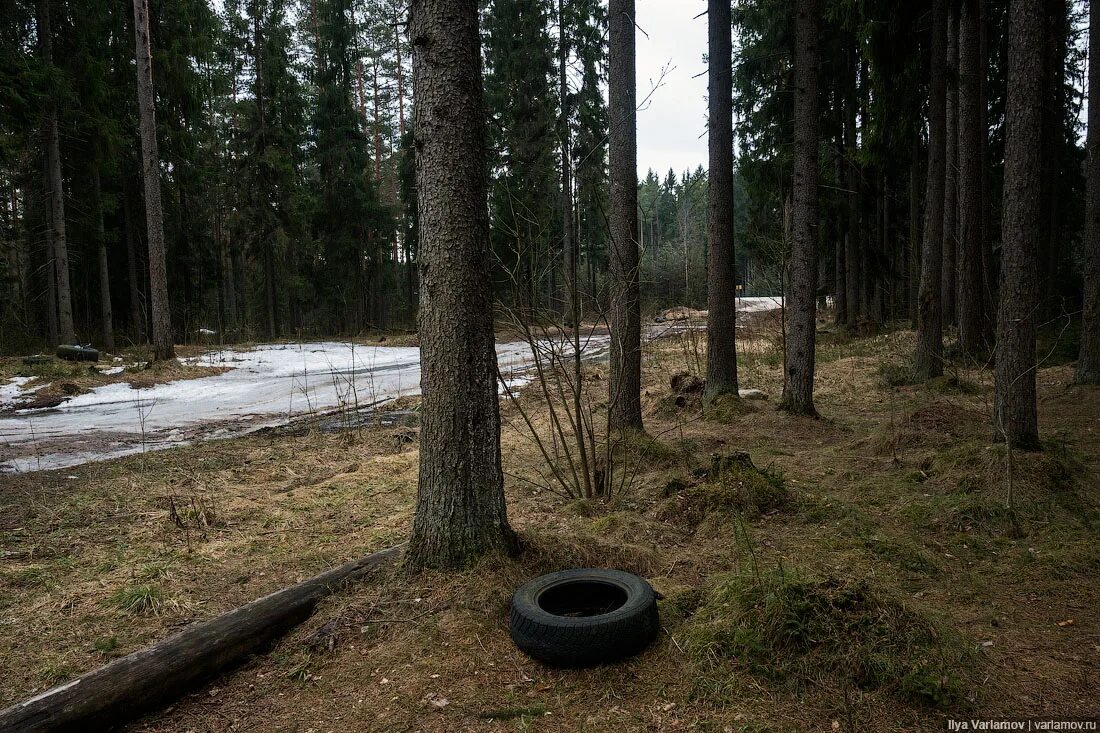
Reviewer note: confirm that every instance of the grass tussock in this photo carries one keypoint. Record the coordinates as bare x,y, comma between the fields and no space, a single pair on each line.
726,409
740,488
833,632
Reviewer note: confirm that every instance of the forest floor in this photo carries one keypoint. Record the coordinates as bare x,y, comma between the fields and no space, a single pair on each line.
880,569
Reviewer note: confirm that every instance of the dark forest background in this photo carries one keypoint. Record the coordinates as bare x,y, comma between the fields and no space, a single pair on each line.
286,162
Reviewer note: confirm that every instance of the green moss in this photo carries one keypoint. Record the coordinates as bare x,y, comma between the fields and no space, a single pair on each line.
798,630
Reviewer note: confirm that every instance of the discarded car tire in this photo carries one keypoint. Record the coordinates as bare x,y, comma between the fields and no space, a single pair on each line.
77,353
584,617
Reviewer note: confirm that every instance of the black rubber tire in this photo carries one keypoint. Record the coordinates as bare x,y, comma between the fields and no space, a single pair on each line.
588,640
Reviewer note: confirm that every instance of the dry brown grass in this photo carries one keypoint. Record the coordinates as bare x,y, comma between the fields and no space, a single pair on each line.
894,488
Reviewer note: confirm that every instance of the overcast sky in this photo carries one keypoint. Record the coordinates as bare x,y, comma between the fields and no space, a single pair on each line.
671,127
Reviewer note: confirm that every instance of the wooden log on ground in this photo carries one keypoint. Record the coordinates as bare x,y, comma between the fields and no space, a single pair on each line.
127,687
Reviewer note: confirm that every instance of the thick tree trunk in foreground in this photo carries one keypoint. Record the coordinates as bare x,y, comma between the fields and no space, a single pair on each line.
625,318
928,360
460,511
1015,413
56,192
1088,362
970,289
798,382
150,167
111,695
106,319
951,173
721,263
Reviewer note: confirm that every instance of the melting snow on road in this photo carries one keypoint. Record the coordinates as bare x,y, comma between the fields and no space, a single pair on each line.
268,385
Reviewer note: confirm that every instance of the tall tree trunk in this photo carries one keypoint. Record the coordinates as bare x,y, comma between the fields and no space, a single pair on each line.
400,75
1015,412
460,510
1088,362
106,320
569,242
625,318
951,172
721,262
840,291
133,269
969,184
852,238
55,190
150,165
989,263
928,360
1051,249
798,381
914,229
51,279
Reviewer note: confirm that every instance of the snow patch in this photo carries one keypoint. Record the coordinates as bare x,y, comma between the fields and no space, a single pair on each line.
13,390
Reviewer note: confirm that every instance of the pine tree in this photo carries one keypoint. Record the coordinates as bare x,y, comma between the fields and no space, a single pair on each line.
625,318
969,183
460,511
270,149
350,222
1015,409
59,249
1088,361
150,164
798,379
928,362
519,61
721,265
951,172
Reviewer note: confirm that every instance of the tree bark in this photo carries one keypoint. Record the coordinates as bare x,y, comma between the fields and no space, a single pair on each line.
989,263
969,304
951,172
914,229
798,383
150,164
852,238
928,360
721,261
460,511
133,269
106,319
1015,412
840,291
56,190
1088,361
625,317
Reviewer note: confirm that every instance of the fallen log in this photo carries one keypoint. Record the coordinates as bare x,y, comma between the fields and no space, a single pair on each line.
127,687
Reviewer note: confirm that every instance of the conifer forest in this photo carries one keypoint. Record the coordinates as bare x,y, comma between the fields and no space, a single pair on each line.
549,365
